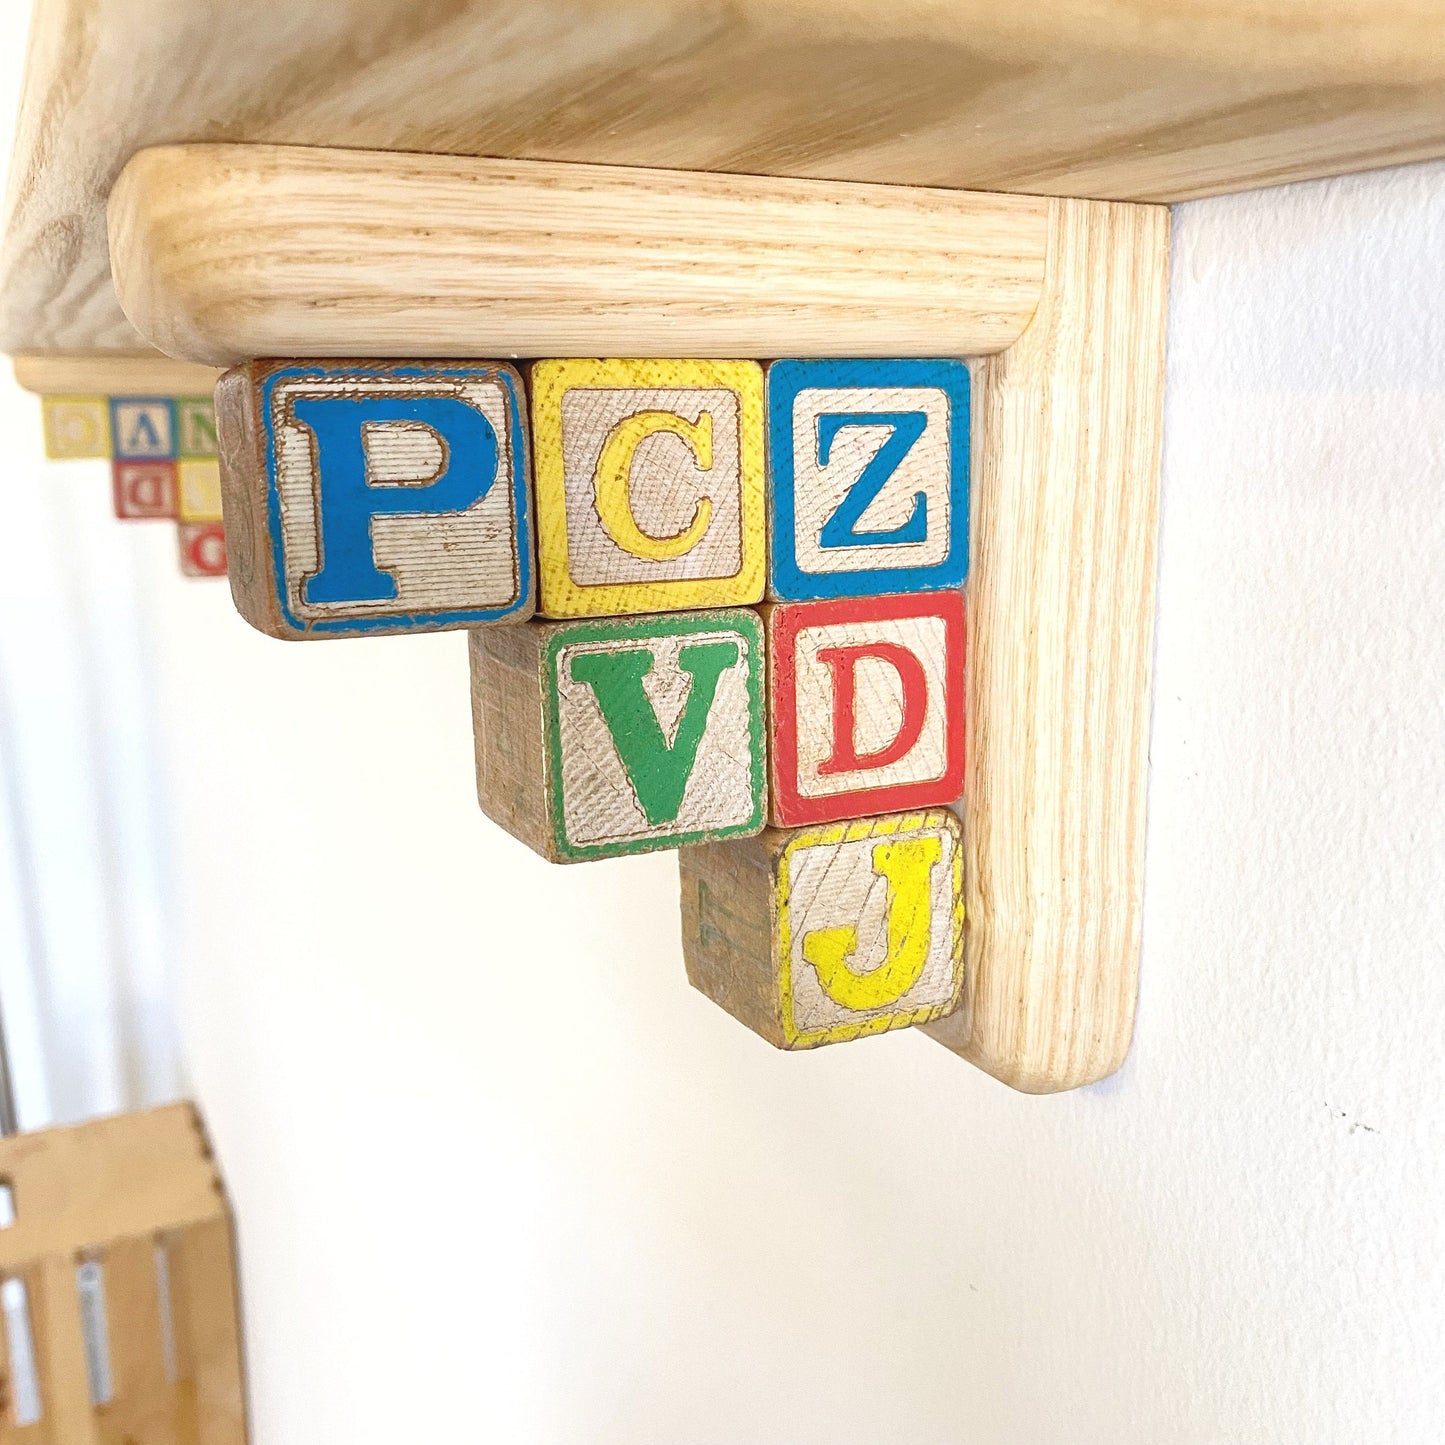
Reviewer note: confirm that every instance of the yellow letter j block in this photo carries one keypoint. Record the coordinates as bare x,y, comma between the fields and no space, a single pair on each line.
649,478
828,933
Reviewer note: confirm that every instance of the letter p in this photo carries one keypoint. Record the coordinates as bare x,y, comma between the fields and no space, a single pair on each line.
348,499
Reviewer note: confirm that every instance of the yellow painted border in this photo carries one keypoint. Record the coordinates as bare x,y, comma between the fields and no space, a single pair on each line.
559,595
206,491
833,833
55,450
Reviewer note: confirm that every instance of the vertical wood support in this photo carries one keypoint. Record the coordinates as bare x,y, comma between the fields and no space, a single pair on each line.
1061,626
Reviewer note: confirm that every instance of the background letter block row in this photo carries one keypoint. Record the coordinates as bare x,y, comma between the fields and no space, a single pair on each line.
381,496
163,460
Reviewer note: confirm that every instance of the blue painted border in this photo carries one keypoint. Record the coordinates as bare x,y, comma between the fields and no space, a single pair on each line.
401,621
168,405
784,381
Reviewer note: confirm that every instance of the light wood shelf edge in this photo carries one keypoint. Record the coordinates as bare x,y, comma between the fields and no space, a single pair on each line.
222,253
105,374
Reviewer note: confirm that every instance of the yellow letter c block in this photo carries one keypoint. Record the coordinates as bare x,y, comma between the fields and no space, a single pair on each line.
649,485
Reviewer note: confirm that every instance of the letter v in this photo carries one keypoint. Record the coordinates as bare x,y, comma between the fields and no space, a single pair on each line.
657,770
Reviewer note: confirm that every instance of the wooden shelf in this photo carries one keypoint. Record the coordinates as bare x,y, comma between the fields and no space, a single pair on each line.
1121,99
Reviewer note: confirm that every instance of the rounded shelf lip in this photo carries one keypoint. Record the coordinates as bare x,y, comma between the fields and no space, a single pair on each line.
221,253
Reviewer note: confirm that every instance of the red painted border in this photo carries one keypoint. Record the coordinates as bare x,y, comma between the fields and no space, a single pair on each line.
785,620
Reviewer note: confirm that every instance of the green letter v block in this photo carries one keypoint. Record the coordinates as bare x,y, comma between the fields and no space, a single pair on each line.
656,731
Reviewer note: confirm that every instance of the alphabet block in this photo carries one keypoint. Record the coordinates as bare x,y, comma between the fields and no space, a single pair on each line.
869,465
866,702
202,549
76,427
198,489
142,428
196,426
375,496
829,933
649,485
144,491
601,738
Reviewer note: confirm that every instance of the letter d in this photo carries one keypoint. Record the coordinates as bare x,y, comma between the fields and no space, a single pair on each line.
843,663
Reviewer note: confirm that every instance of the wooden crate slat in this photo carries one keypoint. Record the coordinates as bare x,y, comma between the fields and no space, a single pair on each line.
133,1174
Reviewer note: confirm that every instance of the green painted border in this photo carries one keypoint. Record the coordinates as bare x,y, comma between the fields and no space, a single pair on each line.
661,624
210,405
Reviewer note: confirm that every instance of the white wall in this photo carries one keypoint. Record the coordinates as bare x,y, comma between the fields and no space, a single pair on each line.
502,1176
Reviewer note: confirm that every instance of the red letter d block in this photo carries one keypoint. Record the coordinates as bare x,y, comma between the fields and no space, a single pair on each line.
866,698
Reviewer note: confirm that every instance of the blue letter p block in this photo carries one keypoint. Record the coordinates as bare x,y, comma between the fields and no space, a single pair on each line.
869,472
396,496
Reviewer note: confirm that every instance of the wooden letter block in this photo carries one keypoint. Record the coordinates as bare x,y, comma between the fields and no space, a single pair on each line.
649,485
143,428
600,738
76,427
143,491
198,491
366,497
869,466
825,934
202,549
866,705
196,426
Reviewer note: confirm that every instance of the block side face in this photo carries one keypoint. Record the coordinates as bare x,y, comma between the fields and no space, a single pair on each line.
867,706
249,552
397,495
655,731
508,733
650,485
728,933
870,926
869,466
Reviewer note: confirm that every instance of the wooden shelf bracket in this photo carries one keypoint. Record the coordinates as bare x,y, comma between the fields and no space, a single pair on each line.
227,253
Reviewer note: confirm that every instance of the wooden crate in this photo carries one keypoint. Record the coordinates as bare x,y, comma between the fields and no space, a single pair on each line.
120,1315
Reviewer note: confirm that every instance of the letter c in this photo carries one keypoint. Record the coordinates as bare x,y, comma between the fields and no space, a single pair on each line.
613,482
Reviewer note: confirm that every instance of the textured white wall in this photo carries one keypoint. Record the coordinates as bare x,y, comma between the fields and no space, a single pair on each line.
501,1175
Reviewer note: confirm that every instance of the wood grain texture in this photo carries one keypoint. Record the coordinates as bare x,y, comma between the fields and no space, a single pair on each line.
650,485
375,497
101,375
597,739
204,1275
829,933
60,1352
866,706
221,253
105,1193
1061,616
145,1409
126,1175
1117,99
868,476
